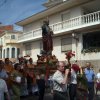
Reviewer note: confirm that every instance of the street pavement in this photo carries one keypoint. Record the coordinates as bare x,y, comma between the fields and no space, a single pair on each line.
48,96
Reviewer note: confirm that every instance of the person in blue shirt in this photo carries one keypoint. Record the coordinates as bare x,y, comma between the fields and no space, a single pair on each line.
90,76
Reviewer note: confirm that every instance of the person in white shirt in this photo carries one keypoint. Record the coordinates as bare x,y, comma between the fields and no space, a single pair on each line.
3,90
60,79
98,81
73,81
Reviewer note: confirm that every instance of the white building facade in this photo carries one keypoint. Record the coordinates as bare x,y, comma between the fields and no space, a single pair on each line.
75,24
9,47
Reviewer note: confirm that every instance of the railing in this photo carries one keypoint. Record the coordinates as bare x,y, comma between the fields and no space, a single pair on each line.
37,32
71,24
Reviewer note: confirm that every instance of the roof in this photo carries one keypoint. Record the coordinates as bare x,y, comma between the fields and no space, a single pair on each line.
45,13
6,27
49,11
1,31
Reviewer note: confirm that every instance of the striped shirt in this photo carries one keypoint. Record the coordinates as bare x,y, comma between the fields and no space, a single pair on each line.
58,77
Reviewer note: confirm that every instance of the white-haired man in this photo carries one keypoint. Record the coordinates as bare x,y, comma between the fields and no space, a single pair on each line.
60,79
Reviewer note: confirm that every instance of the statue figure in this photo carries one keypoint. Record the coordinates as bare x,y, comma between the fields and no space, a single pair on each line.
47,38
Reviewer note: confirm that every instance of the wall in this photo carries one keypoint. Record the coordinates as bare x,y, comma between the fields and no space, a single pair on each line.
76,45
32,26
7,37
75,12
35,48
55,18
57,49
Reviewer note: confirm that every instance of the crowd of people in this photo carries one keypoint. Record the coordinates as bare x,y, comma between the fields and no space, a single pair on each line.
66,84
19,79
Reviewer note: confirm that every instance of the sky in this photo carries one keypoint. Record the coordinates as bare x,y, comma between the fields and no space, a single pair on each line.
12,11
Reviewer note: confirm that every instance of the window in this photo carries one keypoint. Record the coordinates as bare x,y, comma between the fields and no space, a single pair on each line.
0,53
12,36
91,40
4,53
18,52
28,49
13,52
41,46
66,44
65,16
7,52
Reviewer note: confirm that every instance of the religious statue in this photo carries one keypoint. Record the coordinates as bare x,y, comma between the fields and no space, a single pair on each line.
47,38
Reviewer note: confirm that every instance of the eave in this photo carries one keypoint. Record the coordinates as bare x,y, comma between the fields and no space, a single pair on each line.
43,14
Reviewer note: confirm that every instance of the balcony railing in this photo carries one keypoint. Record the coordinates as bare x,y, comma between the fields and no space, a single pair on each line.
64,26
